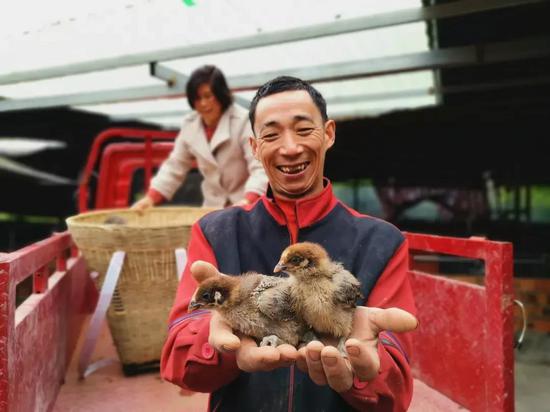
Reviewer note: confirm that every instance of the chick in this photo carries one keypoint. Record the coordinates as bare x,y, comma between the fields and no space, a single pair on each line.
322,292
253,304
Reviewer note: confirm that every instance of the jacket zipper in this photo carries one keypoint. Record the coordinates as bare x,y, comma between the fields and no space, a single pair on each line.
291,389
292,368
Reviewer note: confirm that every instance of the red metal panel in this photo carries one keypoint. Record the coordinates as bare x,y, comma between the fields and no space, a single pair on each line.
118,164
449,353
37,339
464,346
40,280
473,248
61,263
500,320
51,323
7,308
96,148
28,260
82,301
148,162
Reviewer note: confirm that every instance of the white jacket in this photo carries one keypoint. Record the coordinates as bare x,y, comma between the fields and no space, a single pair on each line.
226,162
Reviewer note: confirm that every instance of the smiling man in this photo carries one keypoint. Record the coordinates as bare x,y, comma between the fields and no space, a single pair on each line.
292,134
292,137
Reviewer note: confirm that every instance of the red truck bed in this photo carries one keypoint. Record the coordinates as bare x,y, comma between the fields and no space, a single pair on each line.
463,355
463,349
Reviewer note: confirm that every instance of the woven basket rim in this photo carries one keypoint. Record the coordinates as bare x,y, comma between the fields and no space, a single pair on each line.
75,220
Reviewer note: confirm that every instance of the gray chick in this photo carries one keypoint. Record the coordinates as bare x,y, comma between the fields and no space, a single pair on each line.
253,304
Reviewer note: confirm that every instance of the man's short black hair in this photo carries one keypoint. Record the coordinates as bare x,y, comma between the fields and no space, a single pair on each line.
214,77
284,84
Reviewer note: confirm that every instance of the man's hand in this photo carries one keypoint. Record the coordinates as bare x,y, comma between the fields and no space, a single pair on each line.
250,357
326,365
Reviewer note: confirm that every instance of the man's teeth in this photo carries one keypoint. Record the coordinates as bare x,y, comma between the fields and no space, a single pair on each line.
293,169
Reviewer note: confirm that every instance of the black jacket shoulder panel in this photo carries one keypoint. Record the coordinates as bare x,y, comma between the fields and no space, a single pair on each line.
363,244
245,240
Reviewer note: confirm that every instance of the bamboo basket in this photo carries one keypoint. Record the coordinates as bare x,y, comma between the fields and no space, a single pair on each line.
147,285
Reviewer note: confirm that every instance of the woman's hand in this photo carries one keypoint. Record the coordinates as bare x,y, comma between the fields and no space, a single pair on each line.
144,203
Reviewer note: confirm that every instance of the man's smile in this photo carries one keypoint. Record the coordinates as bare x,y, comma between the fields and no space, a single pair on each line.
293,169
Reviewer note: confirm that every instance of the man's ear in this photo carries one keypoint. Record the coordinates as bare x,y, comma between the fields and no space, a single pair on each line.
330,133
254,145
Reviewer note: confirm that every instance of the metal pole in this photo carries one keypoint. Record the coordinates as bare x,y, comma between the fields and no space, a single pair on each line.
453,9
450,57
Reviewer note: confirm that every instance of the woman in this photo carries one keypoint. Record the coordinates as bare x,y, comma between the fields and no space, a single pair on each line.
216,136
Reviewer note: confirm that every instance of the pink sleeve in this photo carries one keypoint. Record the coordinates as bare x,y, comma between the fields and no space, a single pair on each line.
156,196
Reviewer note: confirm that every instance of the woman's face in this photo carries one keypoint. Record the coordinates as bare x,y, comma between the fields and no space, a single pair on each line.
208,107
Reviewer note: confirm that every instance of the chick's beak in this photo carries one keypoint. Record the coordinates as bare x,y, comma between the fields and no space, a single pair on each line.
194,305
281,267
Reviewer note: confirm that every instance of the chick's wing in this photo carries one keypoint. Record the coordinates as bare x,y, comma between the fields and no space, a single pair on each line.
348,289
273,298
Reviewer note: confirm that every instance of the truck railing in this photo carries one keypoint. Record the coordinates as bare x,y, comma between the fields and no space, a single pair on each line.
464,345
38,337
143,135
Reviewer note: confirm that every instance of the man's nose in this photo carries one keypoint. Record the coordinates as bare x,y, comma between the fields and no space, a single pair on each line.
290,145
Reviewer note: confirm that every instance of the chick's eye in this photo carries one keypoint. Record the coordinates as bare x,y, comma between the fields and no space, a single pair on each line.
205,296
295,260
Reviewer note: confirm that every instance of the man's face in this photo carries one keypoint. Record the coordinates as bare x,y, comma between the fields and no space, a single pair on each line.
291,142
208,107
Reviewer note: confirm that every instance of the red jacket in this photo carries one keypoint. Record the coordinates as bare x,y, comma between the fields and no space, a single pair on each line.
238,240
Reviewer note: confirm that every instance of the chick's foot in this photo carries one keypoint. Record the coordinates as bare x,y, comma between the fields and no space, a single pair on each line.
342,347
271,340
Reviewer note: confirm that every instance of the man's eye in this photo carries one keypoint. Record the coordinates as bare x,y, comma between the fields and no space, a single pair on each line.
305,131
269,136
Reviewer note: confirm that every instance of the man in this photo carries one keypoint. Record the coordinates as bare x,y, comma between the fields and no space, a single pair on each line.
292,134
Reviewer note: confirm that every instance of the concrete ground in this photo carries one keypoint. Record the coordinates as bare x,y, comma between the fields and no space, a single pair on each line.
532,373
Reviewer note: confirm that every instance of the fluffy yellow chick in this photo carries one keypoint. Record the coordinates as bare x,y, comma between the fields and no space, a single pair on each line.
322,292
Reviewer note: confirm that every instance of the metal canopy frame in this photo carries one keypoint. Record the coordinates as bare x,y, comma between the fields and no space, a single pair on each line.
410,93
175,82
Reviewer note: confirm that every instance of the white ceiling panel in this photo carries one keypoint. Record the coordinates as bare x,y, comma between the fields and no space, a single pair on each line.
63,32
146,106
89,82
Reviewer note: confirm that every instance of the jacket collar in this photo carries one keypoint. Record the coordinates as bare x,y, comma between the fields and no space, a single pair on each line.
223,130
197,136
308,210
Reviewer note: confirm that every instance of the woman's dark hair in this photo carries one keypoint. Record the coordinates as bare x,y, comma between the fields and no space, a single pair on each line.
214,77
285,84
